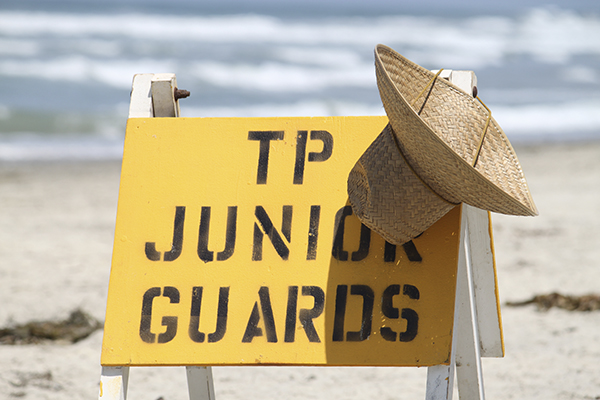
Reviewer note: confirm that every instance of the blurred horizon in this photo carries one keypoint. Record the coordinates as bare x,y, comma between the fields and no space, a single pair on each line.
313,8
66,66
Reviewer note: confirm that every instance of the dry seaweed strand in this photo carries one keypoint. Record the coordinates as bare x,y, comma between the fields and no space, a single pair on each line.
544,302
78,326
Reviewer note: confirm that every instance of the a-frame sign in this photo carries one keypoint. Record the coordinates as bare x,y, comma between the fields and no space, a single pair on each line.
235,245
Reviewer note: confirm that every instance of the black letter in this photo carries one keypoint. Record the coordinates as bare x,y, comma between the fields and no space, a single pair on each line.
170,322
411,252
145,333
412,325
265,138
327,140
364,244
175,251
272,233
203,232
300,156
340,313
290,315
193,332
367,313
203,252
221,316
324,155
389,252
252,328
408,314
313,232
388,309
151,252
306,315
338,251
411,291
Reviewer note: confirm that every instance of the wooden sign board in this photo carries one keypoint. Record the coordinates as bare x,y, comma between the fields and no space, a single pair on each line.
235,245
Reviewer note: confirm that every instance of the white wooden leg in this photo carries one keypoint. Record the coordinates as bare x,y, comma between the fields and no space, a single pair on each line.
469,373
200,383
466,348
163,98
440,382
485,288
140,105
113,383
152,96
440,378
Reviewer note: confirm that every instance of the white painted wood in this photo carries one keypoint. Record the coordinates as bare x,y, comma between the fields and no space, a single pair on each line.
440,382
113,383
200,383
466,355
440,378
475,277
153,95
469,373
487,310
444,74
484,282
140,105
465,80
163,95
114,380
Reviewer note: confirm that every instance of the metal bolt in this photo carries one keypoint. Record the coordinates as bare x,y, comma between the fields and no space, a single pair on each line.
180,94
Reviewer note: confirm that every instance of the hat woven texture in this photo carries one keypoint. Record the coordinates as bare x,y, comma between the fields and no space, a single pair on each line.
399,206
443,140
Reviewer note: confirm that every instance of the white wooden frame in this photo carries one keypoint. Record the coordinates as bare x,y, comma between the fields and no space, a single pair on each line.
153,95
477,323
477,326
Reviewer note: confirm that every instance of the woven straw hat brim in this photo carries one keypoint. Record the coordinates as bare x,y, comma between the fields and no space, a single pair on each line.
442,141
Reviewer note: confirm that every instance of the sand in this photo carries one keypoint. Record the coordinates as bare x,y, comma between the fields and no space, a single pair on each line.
56,231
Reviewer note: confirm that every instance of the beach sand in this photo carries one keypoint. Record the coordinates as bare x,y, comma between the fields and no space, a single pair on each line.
56,231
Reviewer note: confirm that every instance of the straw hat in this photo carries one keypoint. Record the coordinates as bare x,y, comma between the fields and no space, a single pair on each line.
441,148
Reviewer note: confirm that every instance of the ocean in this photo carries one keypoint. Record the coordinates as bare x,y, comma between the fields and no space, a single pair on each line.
66,67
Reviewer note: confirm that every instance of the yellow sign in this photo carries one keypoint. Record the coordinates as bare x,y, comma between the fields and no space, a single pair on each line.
235,244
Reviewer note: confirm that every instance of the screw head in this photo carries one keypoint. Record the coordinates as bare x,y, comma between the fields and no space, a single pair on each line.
181,94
